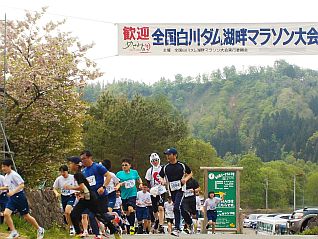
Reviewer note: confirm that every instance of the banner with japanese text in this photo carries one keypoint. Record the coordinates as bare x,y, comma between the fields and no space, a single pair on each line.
218,39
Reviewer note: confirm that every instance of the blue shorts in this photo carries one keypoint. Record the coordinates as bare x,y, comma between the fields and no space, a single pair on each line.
129,202
18,202
212,215
142,213
3,201
68,200
112,199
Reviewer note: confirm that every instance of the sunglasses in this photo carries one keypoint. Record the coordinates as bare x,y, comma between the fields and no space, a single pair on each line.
124,165
155,160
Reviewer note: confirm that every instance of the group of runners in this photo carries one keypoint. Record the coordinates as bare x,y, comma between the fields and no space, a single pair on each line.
97,201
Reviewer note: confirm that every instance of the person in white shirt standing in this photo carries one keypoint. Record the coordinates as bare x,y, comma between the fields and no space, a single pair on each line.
143,200
67,196
157,191
210,205
14,184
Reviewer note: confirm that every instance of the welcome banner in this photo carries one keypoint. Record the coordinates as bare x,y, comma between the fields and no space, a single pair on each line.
218,39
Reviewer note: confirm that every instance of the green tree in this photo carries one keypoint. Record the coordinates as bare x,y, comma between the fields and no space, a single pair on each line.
134,128
252,187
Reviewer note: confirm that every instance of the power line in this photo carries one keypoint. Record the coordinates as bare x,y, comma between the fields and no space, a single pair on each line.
62,15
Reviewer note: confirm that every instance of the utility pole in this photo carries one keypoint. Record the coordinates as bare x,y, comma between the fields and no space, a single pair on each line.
294,192
266,193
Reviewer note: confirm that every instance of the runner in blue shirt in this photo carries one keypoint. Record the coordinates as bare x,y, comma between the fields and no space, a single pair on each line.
127,178
98,178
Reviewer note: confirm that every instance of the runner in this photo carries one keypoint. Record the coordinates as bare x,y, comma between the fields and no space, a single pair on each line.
143,200
111,186
14,184
169,213
210,205
98,178
128,189
3,199
189,202
176,175
88,199
157,191
67,196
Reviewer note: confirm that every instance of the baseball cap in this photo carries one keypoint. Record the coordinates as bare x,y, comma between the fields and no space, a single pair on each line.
171,151
74,159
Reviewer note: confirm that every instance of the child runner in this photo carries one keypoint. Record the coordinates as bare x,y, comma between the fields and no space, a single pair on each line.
210,205
128,189
143,200
67,196
169,213
14,184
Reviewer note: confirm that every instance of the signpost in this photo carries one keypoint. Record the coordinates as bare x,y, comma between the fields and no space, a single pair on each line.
224,181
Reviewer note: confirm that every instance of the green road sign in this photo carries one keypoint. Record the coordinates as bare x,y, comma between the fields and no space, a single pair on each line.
224,182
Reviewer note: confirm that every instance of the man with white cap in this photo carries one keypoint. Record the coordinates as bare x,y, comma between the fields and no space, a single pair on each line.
157,191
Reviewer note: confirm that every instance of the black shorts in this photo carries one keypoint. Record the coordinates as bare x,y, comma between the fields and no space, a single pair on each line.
129,202
189,205
170,220
157,201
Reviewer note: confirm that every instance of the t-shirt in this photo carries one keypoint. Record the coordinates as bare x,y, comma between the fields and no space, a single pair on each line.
211,204
191,186
152,175
198,203
118,203
2,184
174,173
95,176
168,210
60,182
80,178
113,182
129,188
13,180
143,199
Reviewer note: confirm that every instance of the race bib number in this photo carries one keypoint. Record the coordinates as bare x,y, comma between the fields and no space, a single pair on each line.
161,189
91,180
110,189
188,193
65,192
175,185
130,183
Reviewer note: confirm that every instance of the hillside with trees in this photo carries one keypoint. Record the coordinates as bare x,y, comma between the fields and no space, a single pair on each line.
269,110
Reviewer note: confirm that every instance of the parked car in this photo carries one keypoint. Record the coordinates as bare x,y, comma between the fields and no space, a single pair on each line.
300,220
272,225
253,220
246,222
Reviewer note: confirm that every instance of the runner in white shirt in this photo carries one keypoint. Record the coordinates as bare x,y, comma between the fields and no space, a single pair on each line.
3,199
111,186
169,214
210,205
143,200
157,191
67,196
14,184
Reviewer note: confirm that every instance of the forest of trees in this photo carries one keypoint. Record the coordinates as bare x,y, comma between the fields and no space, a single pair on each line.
269,110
